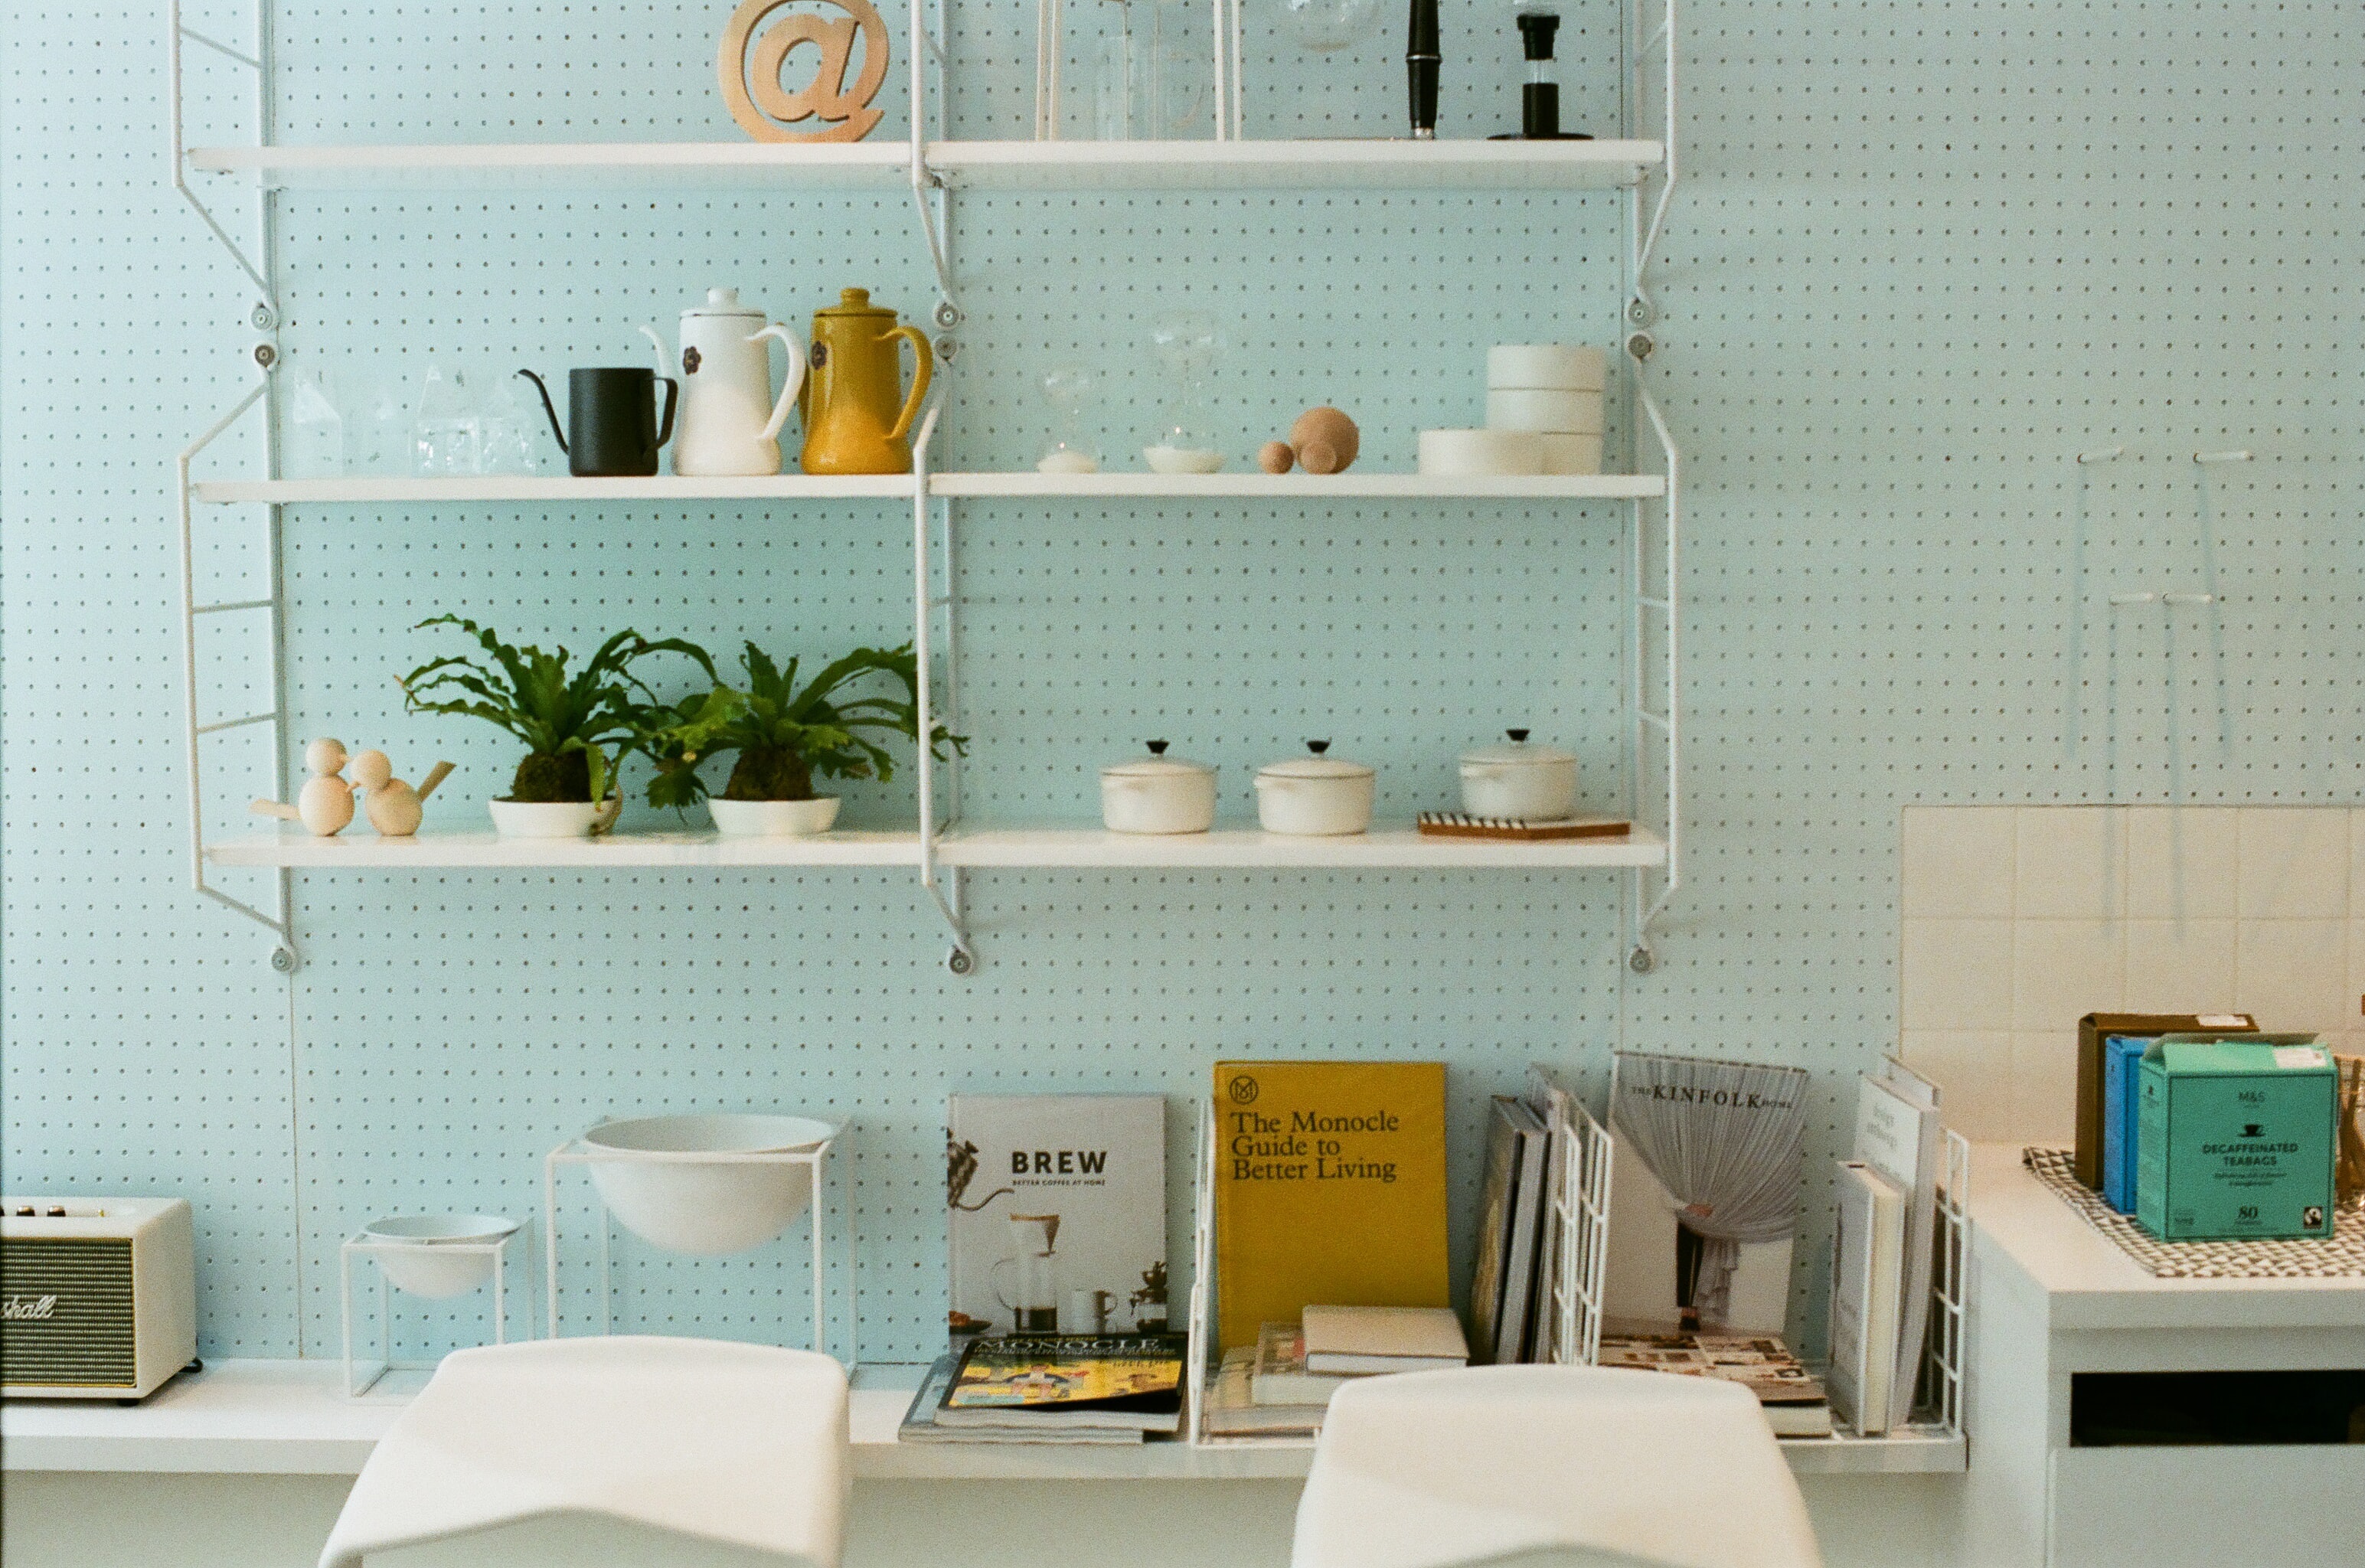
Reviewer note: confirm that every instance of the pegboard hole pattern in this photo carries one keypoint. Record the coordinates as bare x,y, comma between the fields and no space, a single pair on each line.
1921,257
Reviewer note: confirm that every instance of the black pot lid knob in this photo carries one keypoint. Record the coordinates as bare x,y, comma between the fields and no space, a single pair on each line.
1519,738
1317,747
1157,748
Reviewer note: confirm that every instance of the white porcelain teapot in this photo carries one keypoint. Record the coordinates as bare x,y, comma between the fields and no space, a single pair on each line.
729,419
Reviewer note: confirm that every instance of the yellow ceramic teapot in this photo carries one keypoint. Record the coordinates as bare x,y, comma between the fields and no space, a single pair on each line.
856,422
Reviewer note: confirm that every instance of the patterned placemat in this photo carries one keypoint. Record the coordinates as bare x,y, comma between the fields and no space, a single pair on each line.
2338,1257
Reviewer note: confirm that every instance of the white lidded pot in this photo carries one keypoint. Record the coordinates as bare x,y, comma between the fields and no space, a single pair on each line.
729,418
1520,779
1314,796
1158,793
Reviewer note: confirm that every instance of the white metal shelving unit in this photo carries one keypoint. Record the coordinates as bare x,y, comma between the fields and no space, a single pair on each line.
1641,168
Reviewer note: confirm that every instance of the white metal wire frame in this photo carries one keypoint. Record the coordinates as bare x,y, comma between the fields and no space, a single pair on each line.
1654,743
815,1161
1576,1238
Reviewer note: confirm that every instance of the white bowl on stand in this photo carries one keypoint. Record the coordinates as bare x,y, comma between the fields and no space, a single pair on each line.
649,1175
434,1255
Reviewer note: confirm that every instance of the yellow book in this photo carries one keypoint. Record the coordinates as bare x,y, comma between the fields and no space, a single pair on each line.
1329,1188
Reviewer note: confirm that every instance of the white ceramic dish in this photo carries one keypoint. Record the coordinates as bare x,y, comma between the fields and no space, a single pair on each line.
772,819
1182,459
1315,797
1480,454
1537,410
1158,794
650,1176
424,1262
1577,367
1571,452
551,819
1519,779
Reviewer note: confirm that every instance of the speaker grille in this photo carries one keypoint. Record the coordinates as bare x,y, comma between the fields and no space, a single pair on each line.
65,1313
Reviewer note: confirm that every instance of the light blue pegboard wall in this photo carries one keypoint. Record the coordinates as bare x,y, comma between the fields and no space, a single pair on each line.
1921,257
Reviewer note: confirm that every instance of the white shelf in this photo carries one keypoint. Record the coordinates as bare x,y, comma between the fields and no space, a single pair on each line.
1387,845
973,165
359,849
898,486
1397,844
1351,486
1291,165
287,1417
493,165
554,487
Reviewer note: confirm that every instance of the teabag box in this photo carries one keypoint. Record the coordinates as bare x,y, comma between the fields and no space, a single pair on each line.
2234,1138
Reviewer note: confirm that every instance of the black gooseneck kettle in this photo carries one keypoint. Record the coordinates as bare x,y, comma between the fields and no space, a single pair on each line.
611,415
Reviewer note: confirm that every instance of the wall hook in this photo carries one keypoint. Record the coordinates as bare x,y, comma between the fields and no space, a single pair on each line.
2103,455
2239,455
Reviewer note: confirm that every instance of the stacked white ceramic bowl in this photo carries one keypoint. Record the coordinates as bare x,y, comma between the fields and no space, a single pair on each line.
1553,392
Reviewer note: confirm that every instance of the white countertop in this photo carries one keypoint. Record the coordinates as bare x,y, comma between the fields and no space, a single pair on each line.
289,1418
2089,1283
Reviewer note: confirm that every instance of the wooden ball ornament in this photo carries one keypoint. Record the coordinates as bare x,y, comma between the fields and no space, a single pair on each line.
1325,440
1274,457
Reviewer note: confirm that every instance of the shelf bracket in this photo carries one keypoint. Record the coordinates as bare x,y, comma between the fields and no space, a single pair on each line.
284,956
1642,310
175,36
942,883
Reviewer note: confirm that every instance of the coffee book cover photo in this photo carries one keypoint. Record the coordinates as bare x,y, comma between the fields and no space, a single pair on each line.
1055,1213
1329,1188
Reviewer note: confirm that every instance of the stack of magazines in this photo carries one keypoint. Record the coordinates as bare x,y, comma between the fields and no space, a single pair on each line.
1052,1388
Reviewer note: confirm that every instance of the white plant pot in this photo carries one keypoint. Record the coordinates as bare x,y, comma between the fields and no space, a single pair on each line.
649,1176
772,819
425,1263
552,819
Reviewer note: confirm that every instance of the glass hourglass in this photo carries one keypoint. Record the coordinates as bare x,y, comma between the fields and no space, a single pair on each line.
1068,390
1187,342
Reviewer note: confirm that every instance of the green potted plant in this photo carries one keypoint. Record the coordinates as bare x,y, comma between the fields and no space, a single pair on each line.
784,736
576,725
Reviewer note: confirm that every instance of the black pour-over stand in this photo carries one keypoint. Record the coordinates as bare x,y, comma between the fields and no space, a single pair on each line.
1539,94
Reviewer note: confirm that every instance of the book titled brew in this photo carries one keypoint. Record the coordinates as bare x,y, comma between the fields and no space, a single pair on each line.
1056,1214
1329,1188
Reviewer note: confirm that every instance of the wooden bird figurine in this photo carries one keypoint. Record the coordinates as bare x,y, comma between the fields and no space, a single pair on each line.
326,804
393,805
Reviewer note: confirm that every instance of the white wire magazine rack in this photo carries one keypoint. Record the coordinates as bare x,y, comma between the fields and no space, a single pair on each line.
575,1151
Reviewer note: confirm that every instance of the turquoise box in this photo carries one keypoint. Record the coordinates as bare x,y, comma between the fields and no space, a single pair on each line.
2234,1138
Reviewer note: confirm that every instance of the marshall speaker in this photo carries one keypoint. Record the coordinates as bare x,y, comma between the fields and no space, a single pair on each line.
98,1298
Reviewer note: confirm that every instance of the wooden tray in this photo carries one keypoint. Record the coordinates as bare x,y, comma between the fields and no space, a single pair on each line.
1458,825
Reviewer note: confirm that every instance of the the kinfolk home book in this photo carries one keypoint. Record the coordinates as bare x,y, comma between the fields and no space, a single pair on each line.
1056,1213
1329,1188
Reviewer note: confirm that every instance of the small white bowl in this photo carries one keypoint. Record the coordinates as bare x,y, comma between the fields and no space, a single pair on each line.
547,818
772,819
650,1179
1182,459
420,1257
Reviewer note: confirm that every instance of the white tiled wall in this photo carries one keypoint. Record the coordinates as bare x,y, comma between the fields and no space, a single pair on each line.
2019,919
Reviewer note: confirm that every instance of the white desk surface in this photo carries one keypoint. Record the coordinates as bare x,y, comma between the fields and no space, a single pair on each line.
290,1417
2089,1283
